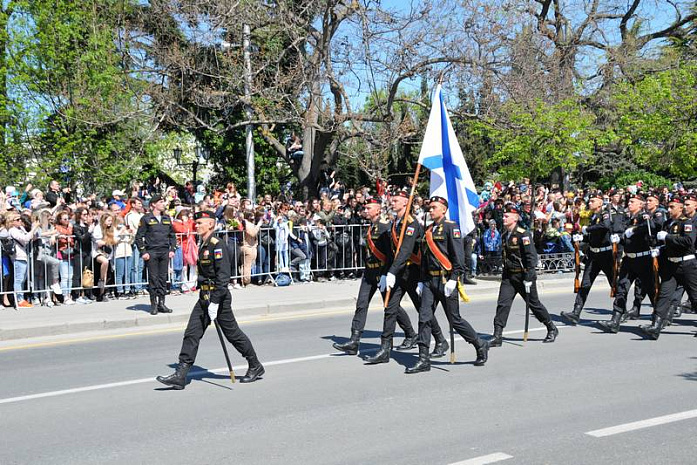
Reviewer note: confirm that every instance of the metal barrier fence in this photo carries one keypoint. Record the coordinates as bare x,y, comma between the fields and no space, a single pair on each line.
320,253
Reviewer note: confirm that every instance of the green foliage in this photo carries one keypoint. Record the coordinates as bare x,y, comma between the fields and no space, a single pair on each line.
658,122
630,178
536,141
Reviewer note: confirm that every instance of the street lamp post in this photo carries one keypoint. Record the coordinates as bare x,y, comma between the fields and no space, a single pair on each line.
202,156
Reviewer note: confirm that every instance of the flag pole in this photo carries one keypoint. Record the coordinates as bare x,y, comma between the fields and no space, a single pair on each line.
407,212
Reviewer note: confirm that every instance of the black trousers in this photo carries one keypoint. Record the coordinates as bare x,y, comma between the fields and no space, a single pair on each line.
673,275
433,294
512,284
199,321
640,268
157,272
369,284
597,262
401,288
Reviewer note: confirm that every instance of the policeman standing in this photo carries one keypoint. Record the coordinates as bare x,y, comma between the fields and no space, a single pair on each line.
597,235
636,260
519,277
678,265
157,243
442,265
403,278
376,262
215,302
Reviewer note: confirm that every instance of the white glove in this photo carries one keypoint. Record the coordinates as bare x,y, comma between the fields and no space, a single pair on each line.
390,279
419,289
629,233
528,286
578,238
614,238
584,229
661,236
449,287
213,310
382,285
655,253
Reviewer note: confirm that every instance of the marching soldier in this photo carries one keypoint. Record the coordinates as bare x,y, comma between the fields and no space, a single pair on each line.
376,262
215,302
678,264
636,260
519,277
439,281
157,243
403,278
659,216
598,236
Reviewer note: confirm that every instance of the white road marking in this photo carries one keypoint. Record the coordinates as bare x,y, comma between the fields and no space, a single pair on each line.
601,433
485,459
97,387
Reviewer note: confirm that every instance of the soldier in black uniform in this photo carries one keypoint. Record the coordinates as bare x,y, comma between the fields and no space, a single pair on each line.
519,277
636,260
597,234
678,265
156,241
403,278
377,258
442,265
215,302
659,216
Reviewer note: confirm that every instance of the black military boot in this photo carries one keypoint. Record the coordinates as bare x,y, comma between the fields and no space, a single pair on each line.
654,330
382,355
408,343
482,347
468,279
422,364
255,370
153,304
440,349
161,307
350,346
632,314
613,325
177,379
497,339
552,332
573,317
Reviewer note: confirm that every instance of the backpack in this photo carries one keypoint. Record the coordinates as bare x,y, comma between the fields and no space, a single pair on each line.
8,246
283,280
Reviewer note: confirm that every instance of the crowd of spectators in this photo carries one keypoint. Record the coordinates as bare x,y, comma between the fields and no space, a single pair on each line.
77,249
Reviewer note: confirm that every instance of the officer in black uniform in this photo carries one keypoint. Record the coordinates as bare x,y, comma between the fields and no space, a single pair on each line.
442,266
215,302
597,235
377,258
636,260
403,278
156,241
519,277
678,265
659,216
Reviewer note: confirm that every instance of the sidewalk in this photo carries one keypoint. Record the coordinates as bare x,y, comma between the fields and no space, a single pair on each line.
252,301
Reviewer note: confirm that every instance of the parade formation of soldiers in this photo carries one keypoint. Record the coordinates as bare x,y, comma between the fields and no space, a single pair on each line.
644,245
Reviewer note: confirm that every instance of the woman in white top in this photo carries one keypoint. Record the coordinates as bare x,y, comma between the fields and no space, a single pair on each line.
103,243
21,237
122,258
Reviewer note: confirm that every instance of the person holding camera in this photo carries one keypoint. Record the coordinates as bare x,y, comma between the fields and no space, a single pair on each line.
156,242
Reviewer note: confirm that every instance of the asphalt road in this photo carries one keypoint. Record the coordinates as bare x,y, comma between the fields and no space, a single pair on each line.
96,401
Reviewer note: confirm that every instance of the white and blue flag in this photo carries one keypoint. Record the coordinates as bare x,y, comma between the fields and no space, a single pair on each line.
450,177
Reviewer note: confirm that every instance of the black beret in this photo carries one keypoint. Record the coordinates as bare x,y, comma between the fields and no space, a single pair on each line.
401,194
638,196
204,214
511,208
675,198
440,200
690,196
373,200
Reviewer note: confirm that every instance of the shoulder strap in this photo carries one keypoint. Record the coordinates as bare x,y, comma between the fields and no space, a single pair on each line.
373,248
440,256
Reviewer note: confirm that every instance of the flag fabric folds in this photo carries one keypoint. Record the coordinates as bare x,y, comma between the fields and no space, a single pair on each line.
450,177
